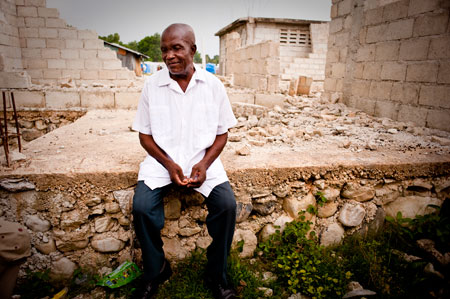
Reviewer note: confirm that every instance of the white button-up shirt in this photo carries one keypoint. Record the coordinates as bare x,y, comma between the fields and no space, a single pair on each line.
183,125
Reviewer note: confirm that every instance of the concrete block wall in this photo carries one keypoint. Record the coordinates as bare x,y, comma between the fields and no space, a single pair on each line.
42,44
257,66
391,58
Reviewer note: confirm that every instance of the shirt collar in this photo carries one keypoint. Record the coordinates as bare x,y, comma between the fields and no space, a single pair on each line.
164,78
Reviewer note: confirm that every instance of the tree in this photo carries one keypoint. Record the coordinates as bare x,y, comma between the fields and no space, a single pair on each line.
112,38
197,57
214,60
132,45
150,46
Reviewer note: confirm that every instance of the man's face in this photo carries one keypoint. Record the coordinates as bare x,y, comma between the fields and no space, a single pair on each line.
177,52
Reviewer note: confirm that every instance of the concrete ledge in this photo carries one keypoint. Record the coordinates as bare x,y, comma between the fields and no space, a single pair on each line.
126,100
269,100
62,99
34,99
97,99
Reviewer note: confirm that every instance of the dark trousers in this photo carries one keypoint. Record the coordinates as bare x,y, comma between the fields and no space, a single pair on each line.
148,219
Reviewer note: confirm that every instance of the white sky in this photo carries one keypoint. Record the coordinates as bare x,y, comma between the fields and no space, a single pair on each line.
135,19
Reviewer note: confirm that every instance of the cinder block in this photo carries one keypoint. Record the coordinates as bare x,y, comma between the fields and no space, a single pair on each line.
380,90
48,12
393,71
56,63
439,48
70,54
431,24
32,53
55,23
273,83
66,33
27,11
366,53
376,33
55,43
51,53
372,71
35,74
269,100
414,49
48,32
38,3
396,10
420,6
336,25
62,100
360,88
358,70
126,100
435,96
89,74
338,70
107,75
329,84
34,22
115,64
93,44
93,64
87,34
88,54
125,74
422,72
34,99
75,64
387,109
405,93
373,16
29,32
97,99
35,63
444,72
400,29
72,74
364,104
387,51
74,44
106,54
52,74
416,115
345,7
439,119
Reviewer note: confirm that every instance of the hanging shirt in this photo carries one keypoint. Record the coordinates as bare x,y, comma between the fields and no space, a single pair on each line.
183,125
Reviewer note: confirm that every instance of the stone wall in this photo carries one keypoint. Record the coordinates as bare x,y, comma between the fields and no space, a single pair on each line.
36,42
85,220
390,58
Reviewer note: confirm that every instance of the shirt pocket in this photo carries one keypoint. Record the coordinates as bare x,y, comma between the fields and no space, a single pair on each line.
206,123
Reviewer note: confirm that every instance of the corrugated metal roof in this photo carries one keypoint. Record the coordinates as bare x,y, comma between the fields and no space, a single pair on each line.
126,49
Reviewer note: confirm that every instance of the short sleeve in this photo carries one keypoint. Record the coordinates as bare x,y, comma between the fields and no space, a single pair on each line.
141,121
226,117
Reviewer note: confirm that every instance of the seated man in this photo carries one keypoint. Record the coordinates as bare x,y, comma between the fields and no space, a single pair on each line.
183,119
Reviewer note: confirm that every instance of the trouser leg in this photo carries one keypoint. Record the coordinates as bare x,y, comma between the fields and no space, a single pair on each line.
220,222
148,219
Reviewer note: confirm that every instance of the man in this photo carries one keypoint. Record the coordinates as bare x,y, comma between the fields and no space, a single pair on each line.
183,119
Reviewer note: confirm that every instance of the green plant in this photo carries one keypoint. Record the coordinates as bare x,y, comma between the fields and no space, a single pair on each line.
302,265
320,200
38,282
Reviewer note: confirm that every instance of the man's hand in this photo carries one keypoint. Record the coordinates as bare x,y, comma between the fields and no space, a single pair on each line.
198,175
176,174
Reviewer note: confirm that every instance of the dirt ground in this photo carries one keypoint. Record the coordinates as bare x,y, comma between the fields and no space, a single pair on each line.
303,133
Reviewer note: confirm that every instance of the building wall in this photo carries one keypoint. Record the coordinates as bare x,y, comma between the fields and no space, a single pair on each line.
43,45
294,60
391,58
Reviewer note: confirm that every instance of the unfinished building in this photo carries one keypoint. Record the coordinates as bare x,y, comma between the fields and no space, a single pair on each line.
266,53
390,58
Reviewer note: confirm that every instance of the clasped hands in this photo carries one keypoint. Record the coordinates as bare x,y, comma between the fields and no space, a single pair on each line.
195,180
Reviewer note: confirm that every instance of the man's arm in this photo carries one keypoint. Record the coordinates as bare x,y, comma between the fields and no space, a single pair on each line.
198,173
175,171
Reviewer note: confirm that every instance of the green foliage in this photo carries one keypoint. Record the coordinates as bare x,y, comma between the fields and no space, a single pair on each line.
197,57
302,265
150,46
112,38
320,200
214,60
39,282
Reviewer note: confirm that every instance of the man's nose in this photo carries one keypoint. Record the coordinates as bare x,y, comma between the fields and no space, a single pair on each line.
169,54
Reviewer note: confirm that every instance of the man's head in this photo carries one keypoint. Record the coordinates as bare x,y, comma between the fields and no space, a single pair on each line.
178,49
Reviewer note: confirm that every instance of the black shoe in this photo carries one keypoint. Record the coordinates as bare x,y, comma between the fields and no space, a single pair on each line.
220,291
149,288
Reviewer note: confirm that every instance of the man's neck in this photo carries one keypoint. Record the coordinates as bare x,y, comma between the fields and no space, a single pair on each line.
183,79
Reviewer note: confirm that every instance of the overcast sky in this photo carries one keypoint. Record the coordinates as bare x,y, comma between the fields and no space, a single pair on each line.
135,19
